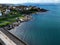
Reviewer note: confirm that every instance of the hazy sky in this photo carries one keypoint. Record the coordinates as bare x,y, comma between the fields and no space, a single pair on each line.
29,1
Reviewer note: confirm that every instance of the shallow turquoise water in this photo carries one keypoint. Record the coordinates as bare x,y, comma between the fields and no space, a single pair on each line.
43,29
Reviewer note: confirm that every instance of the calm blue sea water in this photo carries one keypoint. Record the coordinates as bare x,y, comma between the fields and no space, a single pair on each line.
43,29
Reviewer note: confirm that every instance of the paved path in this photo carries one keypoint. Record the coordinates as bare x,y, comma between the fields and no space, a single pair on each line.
10,39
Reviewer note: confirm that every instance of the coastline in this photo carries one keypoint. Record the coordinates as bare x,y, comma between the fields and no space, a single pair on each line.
10,14
12,30
17,23
15,26
27,16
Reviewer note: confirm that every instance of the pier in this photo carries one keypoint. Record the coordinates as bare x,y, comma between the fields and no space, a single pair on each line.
6,38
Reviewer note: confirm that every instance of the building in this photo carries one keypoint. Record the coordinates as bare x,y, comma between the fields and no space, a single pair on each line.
0,13
27,8
14,7
7,11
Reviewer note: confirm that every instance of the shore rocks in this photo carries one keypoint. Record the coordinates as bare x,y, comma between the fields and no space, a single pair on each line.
27,10
43,10
17,23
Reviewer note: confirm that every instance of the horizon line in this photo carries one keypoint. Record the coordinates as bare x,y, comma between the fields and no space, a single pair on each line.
31,3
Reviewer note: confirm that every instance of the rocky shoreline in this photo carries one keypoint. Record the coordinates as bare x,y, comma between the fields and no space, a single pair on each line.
17,23
21,10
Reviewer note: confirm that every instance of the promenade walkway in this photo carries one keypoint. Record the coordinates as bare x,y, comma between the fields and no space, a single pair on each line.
10,39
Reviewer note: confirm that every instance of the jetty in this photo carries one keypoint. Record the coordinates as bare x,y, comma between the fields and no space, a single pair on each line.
6,38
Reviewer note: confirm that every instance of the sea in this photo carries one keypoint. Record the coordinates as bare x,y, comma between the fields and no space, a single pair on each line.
43,28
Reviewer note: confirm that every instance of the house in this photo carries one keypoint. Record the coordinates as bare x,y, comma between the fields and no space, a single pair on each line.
0,13
14,7
27,8
7,11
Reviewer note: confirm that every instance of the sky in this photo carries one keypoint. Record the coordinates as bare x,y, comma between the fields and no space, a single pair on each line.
29,1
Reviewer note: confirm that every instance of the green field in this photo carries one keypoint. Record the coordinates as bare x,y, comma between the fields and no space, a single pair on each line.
10,18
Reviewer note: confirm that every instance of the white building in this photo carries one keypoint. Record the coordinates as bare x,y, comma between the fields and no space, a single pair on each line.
7,11
14,7
0,13
27,8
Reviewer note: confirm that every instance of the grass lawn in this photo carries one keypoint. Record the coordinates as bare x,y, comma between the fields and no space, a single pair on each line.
9,19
